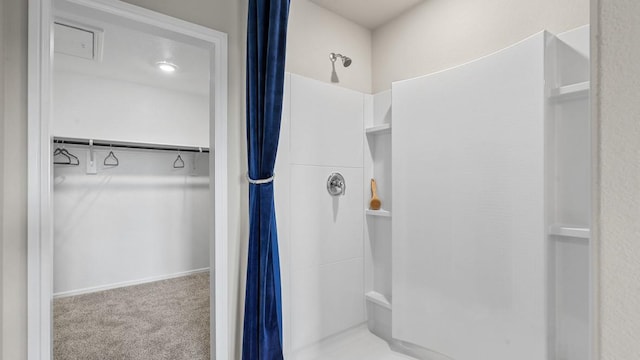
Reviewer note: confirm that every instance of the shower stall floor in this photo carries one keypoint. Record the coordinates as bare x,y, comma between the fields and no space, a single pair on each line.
354,344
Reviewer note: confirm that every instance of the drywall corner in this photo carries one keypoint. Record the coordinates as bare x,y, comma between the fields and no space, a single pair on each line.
617,113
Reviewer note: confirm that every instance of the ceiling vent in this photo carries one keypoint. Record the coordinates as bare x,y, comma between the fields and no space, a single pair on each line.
77,40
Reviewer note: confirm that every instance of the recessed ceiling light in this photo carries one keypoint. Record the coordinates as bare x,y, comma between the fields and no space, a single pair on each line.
166,66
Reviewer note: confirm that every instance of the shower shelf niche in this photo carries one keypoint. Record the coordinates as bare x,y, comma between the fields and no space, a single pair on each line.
569,197
379,129
378,223
570,231
572,91
381,212
379,299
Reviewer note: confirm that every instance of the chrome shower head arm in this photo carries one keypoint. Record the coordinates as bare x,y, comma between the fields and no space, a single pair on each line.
346,61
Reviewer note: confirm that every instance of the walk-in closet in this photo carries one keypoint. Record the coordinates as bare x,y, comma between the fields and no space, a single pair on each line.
132,204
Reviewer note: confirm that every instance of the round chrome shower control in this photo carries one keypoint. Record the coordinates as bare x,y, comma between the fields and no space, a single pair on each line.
336,185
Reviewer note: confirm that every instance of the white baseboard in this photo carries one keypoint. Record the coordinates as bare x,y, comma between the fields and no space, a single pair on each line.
127,283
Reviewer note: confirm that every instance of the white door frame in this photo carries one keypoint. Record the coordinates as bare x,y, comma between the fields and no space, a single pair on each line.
40,184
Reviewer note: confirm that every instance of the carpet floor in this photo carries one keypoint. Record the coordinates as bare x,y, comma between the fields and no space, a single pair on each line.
167,319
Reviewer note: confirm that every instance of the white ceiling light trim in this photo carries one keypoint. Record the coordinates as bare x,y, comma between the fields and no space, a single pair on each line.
166,66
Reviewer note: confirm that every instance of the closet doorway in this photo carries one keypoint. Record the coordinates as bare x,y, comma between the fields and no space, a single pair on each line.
127,184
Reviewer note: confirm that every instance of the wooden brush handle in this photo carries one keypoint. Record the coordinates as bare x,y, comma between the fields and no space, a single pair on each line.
375,202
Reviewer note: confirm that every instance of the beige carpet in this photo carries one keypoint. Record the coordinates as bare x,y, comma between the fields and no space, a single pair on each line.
166,319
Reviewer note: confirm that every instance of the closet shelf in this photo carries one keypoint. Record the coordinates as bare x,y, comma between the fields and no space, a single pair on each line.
381,212
377,298
570,231
571,91
379,129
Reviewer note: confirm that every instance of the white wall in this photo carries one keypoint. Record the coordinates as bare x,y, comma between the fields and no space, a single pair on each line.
138,221
92,107
439,34
618,71
314,33
321,236
14,198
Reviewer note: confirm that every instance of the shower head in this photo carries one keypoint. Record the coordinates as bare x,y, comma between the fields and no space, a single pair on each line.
346,61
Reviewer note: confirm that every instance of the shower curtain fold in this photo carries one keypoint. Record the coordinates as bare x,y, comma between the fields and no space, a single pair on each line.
266,47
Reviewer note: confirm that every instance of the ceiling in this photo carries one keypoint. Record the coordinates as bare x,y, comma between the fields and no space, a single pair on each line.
375,13
131,55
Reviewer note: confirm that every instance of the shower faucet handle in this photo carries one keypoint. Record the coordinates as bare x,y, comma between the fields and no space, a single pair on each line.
336,185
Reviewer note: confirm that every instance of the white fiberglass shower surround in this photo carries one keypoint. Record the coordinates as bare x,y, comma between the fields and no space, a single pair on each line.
481,248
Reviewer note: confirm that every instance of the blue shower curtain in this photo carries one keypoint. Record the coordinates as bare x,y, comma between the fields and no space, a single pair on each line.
266,47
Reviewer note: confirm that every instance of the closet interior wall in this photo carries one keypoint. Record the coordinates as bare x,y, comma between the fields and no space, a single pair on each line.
148,218
139,221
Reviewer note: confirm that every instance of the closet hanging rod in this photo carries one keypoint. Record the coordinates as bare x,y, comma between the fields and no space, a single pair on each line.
128,145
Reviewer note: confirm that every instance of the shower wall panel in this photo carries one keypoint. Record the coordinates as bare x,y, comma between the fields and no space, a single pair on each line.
327,124
469,248
321,236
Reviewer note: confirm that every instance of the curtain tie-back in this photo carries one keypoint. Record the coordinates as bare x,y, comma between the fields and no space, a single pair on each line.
260,181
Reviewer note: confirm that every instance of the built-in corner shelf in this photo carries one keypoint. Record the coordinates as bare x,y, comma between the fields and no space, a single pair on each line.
379,129
377,298
570,231
571,91
381,212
